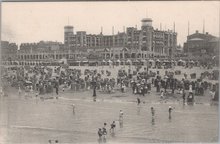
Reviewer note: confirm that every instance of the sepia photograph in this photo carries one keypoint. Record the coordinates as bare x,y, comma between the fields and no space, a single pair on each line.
109,72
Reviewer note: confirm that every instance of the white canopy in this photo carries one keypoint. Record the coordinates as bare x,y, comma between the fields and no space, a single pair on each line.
29,82
165,61
150,60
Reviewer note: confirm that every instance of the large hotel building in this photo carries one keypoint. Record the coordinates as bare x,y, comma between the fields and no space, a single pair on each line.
133,43
144,43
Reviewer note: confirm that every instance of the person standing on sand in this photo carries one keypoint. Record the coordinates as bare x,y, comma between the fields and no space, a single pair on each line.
190,89
162,94
1,91
138,101
152,111
73,105
121,115
170,111
57,91
19,91
94,93
184,96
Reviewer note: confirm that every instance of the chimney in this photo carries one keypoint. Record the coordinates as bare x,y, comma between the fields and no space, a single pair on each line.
206,33
197,31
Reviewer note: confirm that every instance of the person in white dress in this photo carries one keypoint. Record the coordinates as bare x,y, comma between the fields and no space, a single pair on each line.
121,114
19,91
190,89
1,91
73,105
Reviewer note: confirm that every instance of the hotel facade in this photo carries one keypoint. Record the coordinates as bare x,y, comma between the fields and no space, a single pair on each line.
133,44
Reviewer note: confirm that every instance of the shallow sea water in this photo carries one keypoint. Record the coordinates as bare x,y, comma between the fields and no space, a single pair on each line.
35,121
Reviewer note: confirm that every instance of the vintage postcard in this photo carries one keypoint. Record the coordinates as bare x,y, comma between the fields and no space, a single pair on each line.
109,72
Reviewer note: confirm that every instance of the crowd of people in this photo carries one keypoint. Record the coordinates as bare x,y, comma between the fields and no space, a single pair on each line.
45,80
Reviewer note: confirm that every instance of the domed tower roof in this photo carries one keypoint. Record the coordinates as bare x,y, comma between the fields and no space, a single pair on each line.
68,28
146,22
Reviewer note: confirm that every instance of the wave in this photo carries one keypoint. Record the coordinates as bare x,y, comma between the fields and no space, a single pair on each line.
46,129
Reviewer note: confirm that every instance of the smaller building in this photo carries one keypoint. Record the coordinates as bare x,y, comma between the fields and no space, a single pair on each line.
200,44
8,51
41,51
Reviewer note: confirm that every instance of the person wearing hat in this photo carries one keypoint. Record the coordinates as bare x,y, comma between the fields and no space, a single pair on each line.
170,110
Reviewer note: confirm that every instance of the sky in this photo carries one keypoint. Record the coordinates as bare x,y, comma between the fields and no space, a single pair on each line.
24,22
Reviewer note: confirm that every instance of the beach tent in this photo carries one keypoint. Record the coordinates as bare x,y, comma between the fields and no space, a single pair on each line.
110,62
63,60
166,61
128,61
150,60
135,62
117,62
191,61
93,63
85,61
103,62
158,62
180,60
28,83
